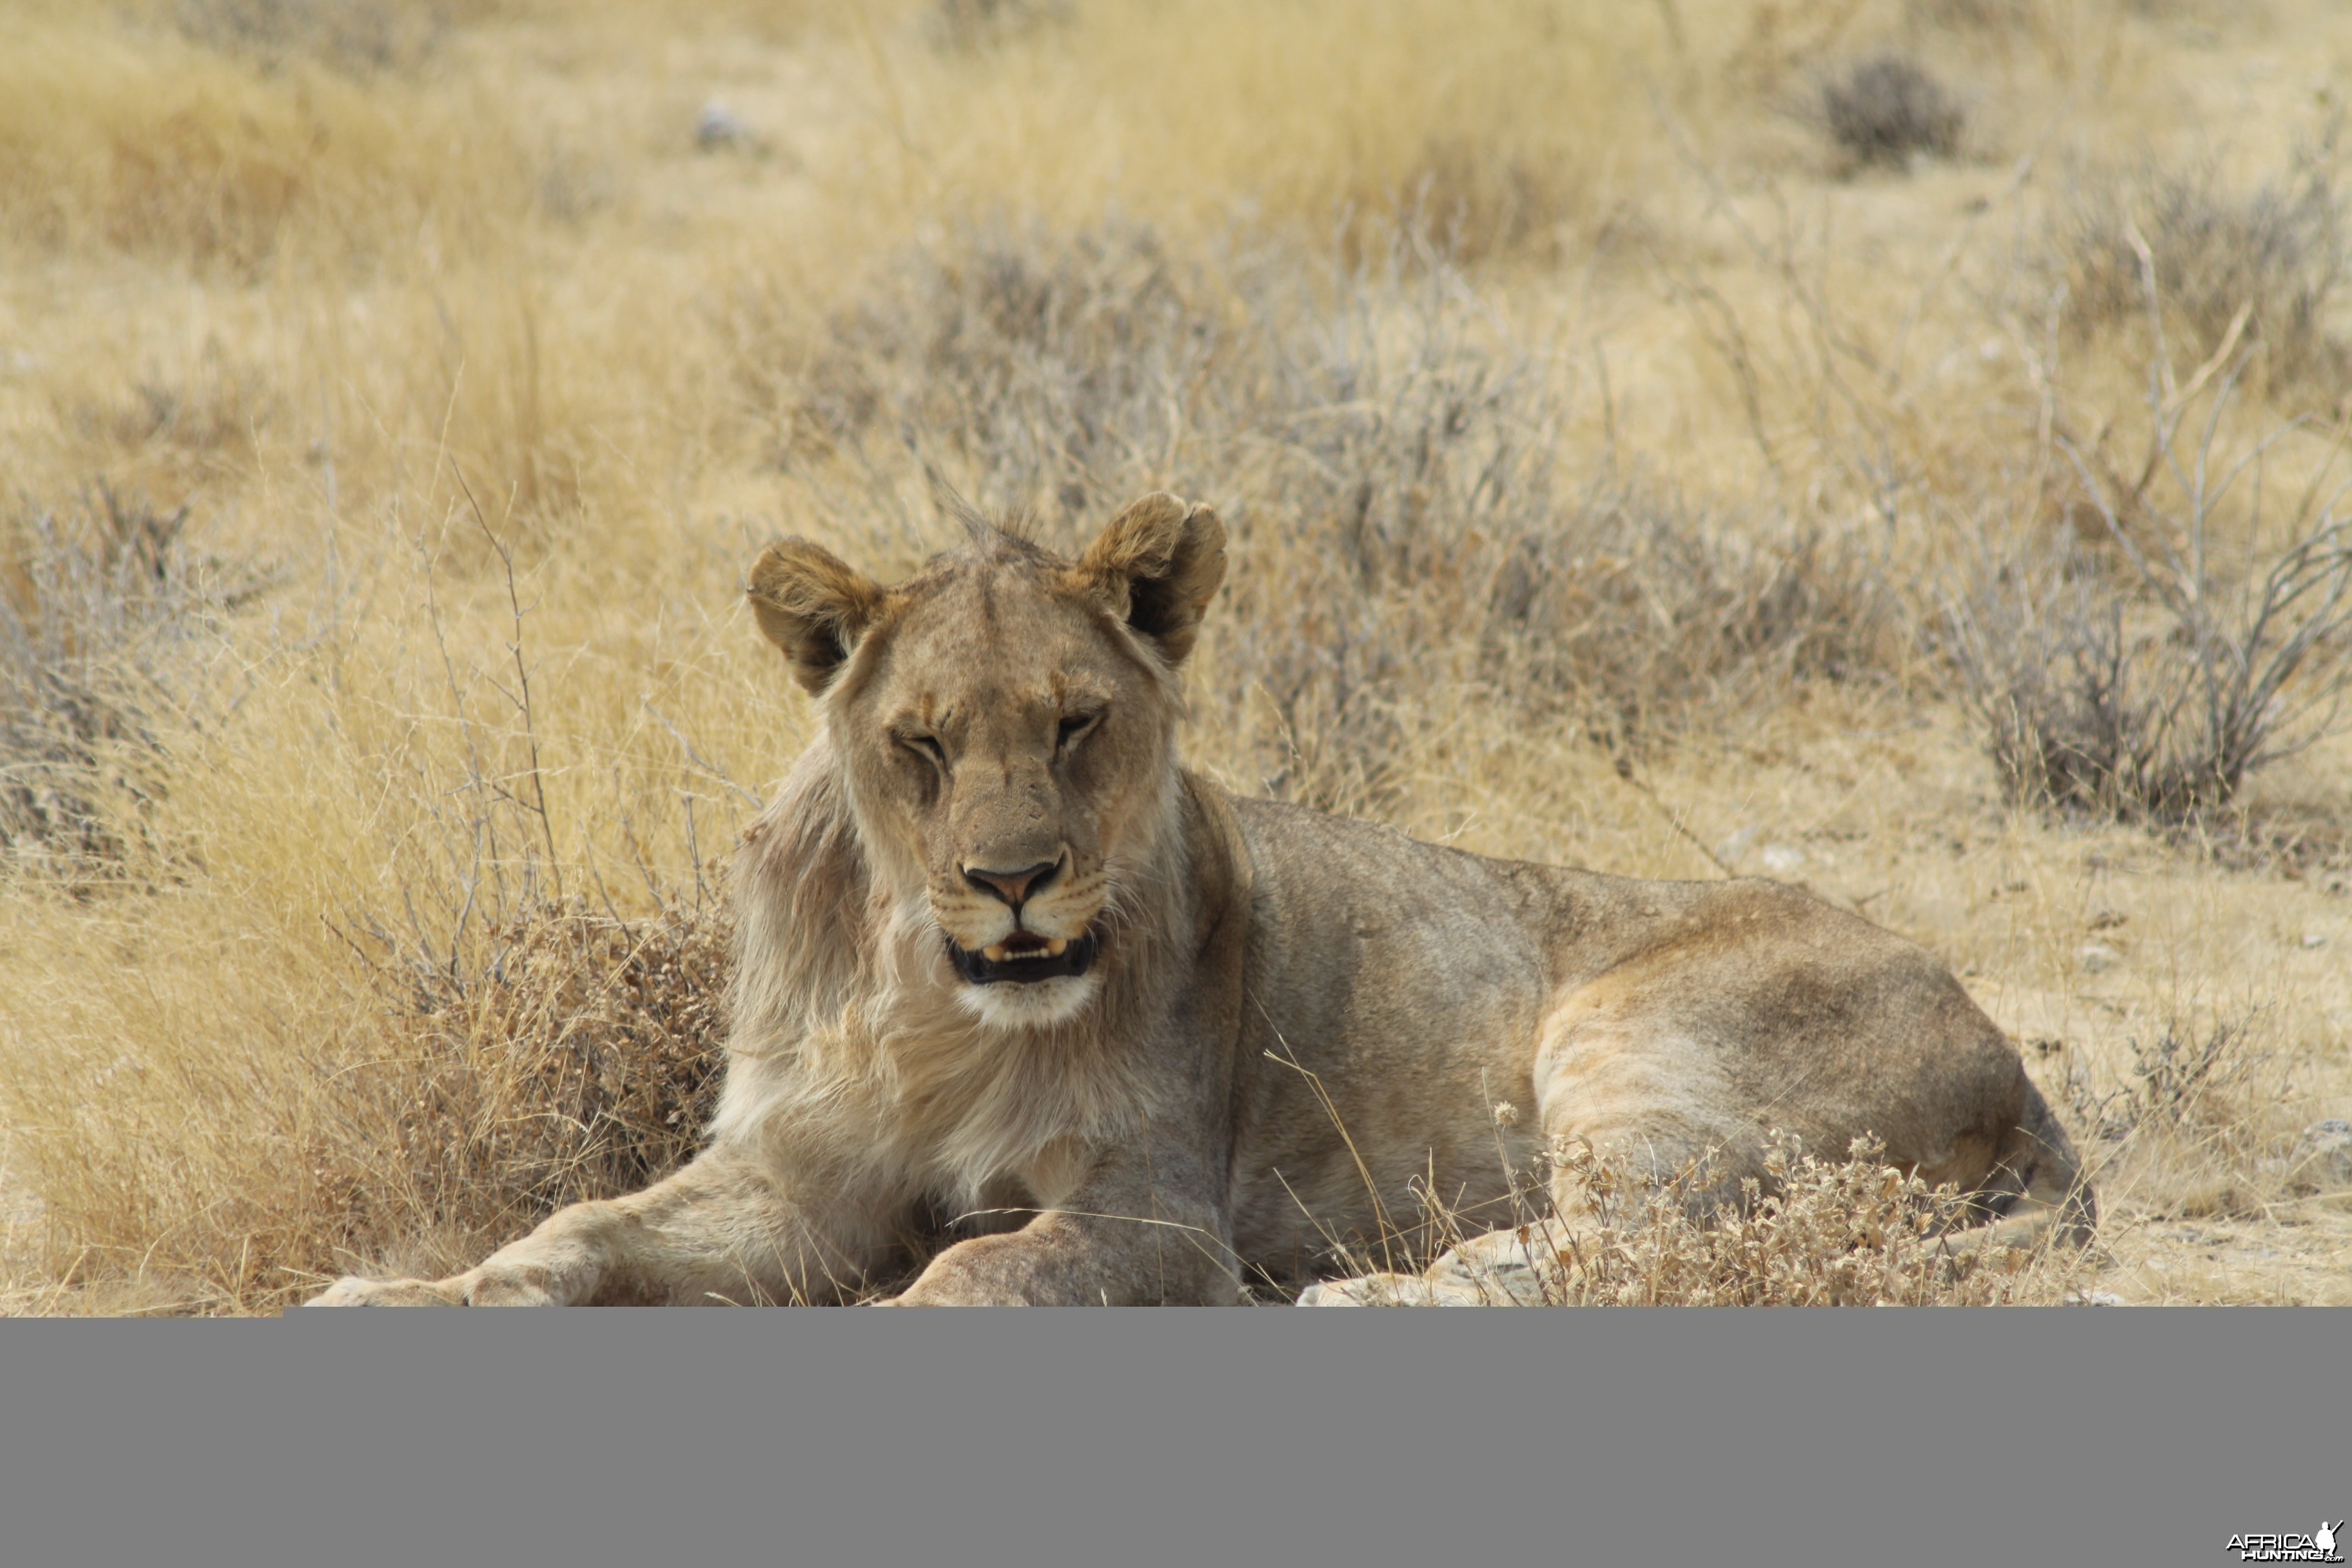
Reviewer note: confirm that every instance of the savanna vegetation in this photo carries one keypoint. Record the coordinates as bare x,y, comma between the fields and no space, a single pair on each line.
1892,446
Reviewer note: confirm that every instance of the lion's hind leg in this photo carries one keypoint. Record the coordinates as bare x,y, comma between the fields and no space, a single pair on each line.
2038,1195
1649,1113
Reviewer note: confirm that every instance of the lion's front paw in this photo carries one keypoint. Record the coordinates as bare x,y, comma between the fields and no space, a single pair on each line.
931,1293
495,1287
352,1291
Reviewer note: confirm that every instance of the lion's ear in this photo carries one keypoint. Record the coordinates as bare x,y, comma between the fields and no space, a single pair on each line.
1156,567
813,605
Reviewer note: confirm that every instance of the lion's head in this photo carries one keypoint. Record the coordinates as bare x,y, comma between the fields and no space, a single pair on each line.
1005,725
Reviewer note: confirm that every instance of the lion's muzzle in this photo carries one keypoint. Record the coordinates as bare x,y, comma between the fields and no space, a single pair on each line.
1025,956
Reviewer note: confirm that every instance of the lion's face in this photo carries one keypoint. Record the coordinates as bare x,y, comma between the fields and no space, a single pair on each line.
1006,724
1005,743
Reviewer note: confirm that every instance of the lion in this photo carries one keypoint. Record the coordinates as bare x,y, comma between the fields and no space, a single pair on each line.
1025,1011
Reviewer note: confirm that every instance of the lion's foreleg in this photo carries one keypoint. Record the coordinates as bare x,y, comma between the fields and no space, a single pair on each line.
721,1230
1137,1231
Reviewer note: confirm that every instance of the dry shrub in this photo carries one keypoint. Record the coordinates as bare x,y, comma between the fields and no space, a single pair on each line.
1385,453
1035,369
1850,1233
561,1054
2181,248
357,35
1811,1233
1885,109
2187,1076
2089,702
211,415
1972,16
2190,1116
2152,700
103,611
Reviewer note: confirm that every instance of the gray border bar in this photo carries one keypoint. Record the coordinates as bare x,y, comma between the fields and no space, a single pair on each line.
2093,1434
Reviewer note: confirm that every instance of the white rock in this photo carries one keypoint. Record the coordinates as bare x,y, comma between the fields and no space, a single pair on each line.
2098,957
1386,1290
1781,859
718,126
2322,1160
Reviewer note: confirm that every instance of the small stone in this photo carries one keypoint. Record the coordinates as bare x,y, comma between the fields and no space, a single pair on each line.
719,126
2314,942
2098,957
2095,1298
1781,859
1383,1291
2322,1160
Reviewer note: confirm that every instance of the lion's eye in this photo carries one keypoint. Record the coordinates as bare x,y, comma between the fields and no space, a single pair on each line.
926,746
1068,732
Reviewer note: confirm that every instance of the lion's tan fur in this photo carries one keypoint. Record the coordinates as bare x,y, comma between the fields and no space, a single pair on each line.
1296,1030
844,1034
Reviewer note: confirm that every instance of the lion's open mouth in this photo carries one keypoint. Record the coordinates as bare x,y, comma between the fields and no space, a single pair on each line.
1025,955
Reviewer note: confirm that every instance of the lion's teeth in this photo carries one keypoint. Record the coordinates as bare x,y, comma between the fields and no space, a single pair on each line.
1053,947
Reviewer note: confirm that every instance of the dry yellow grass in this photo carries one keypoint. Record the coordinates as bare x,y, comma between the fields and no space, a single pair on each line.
490,367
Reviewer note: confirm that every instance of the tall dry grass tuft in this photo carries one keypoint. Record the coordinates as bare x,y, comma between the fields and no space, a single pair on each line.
1498,134
158,146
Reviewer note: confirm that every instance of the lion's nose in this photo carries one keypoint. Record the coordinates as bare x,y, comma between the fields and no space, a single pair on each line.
1013,887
